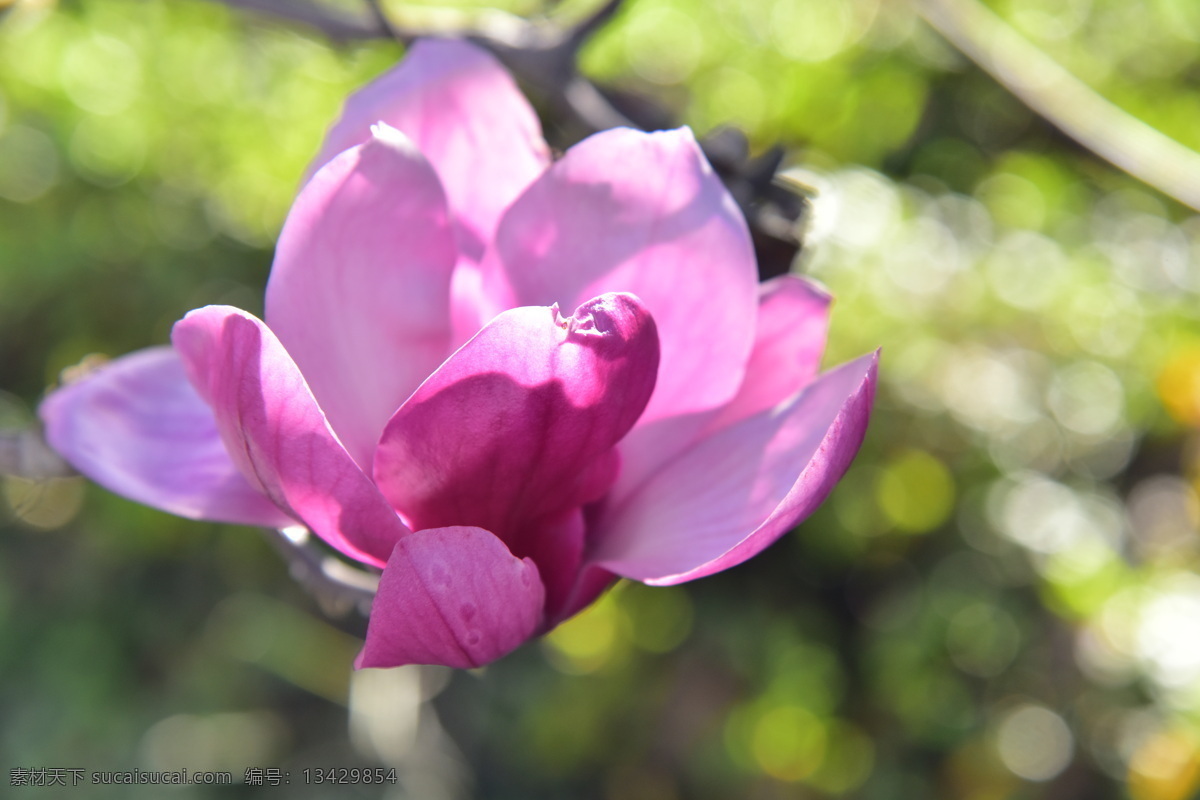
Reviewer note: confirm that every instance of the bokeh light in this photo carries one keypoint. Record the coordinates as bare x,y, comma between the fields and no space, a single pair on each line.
999,601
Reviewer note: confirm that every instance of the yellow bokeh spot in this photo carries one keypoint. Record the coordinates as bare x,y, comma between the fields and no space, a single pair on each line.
848,762
1179,386
789,743
1013,200
661,616
1165,767
44,504
588,641
915,491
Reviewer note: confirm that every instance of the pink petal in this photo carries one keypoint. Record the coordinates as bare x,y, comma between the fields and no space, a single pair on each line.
739,490
360,289
465,113
138,428
517,428
793,318
276,434
651,445
641,213
452,596
556,545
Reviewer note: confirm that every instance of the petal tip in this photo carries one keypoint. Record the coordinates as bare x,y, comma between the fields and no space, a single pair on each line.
683,133
615,313
810,286
453,596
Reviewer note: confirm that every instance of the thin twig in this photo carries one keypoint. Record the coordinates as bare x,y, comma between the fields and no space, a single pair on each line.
584,30
543,56
1065,101
338,587
381,19
589,105
335,24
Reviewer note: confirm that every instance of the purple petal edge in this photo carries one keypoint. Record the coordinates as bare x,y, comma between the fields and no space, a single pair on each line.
138,428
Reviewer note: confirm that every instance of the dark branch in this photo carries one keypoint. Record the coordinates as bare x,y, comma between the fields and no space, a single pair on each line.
583,31
382,21
337,25
543,56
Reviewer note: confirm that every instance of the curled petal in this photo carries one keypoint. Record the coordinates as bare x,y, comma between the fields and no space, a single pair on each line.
641,213
360,288
138,428
454,596
465,113
276,434
738,490
517,427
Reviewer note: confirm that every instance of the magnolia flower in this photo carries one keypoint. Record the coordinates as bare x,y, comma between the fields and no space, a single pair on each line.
505,380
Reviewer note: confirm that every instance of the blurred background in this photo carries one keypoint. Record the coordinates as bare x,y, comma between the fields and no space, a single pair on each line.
1001,600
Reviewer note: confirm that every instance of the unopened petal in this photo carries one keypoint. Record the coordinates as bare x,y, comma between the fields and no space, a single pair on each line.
454,596
276,434
137,427
737,491
517,427
360,289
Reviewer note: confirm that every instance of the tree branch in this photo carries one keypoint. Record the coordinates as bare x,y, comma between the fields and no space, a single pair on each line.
337,587
543,57
1065,101
334,23
382,21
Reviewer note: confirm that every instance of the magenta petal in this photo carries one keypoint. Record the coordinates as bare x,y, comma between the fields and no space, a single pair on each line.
556,546
640,213
465,113
793,319
452,596
737,491
517,427
138,428
276,434
360,289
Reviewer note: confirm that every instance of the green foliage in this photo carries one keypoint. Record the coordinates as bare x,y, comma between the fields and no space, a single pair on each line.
999,601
